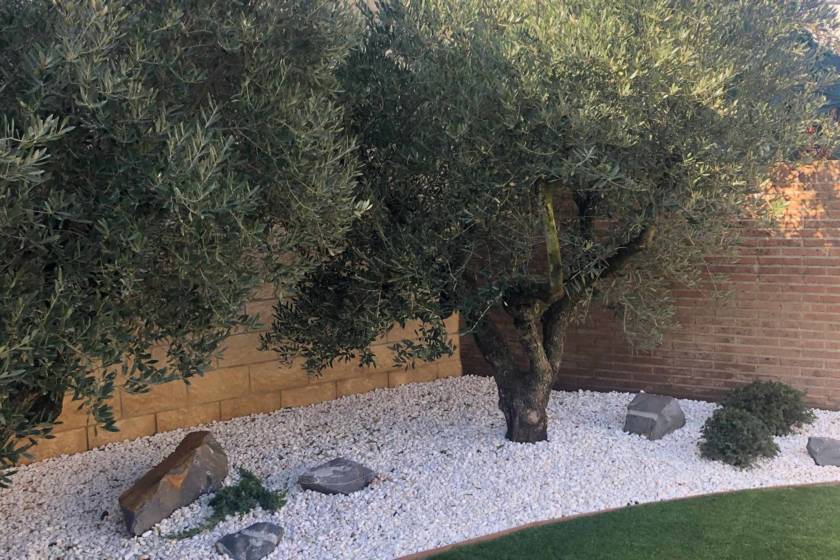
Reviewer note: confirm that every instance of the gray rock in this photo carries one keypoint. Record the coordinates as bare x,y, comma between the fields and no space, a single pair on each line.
824,451
653,416
197,466
252,543
339,476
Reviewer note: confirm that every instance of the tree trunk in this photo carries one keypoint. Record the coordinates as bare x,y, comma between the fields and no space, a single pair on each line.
523,399
541,315
523,394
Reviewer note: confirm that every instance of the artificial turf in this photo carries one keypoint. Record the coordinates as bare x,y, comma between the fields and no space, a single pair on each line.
775,524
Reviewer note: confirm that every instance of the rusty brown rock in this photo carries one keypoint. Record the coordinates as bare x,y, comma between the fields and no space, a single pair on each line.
197,466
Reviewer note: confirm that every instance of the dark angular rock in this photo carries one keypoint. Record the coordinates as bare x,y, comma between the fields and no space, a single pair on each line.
252,543
339,476
824,451
197,466
653,416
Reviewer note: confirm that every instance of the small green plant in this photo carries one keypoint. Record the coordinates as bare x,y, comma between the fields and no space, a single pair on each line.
779,406
238,499
736,437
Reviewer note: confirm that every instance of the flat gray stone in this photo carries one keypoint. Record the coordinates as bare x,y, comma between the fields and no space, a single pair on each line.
252,543
653,416
197,466
824,451
339,476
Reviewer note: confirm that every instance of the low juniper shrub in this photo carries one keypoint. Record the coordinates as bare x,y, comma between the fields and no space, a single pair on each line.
779,406
238,499
736,437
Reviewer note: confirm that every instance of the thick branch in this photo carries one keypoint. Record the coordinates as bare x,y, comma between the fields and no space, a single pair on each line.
532,340
490,340
494,348
555,320
552,239
623,254
540,303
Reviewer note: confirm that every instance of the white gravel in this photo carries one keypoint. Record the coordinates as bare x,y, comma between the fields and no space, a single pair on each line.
447,475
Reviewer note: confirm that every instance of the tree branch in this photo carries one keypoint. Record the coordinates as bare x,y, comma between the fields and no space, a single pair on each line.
552,240
532,340
555,319
623,254
541,302
494,348
554,324
490,340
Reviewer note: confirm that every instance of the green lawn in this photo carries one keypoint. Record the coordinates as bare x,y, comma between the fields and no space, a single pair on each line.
779,524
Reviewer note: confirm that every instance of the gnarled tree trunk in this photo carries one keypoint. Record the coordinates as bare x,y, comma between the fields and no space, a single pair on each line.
523,399
541,315
523,393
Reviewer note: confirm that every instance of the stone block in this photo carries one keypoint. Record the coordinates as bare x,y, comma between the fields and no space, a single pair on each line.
197,466
339,476
653,416
219,384
188,416
129,428
251,404
824,451
311,394
362,384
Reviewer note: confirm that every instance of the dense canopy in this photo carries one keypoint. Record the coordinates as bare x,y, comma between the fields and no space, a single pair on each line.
158,161
530,158
523,159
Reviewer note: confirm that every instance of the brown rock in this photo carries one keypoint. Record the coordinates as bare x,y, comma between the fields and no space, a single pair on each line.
197,466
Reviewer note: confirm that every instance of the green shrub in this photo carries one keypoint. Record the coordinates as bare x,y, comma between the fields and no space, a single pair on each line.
238,499
736,437
779,406
158,160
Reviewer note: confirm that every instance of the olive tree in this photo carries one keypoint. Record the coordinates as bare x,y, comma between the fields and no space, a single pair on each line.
534,158
158,161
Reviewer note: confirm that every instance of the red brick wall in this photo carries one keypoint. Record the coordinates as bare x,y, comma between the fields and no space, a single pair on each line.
781,319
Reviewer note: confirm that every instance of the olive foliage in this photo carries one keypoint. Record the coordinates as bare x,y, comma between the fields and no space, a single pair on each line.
528,159
158,161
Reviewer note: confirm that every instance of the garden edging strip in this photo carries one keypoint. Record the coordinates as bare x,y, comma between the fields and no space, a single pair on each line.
504,533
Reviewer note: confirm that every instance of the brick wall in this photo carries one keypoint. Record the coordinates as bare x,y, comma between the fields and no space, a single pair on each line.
244,381
781,319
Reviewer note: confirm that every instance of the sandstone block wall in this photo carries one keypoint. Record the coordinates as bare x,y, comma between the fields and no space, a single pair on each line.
244,381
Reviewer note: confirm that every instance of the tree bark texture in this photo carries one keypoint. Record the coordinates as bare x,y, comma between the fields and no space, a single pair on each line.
523,393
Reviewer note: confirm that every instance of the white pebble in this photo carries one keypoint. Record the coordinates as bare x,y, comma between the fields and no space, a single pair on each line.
447,474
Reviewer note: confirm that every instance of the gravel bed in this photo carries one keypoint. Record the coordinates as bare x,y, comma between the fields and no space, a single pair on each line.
447,474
